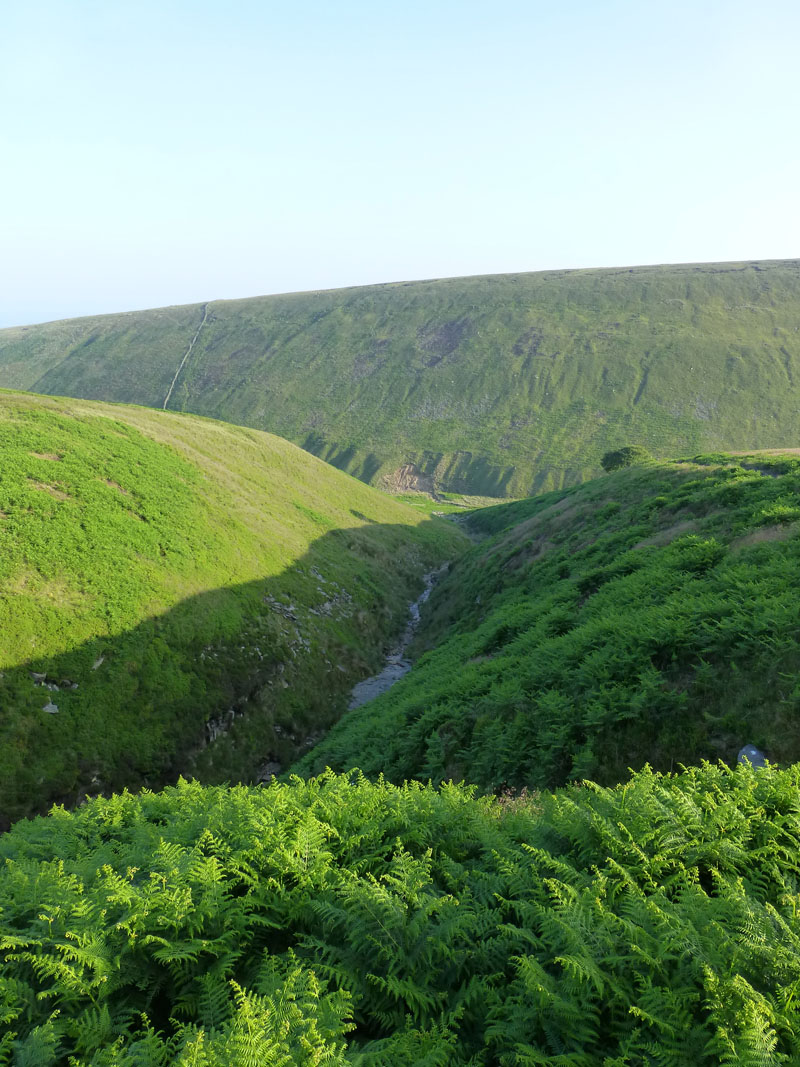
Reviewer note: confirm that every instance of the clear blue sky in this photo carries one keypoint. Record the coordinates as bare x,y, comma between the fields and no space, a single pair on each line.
168,152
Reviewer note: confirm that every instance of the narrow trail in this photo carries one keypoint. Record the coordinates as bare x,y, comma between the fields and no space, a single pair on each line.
186,355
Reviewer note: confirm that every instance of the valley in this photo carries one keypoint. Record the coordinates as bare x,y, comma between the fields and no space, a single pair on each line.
296,771
162,573
646,617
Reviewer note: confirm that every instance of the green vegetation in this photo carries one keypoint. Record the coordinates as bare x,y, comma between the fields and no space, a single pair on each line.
160,573
503,385
624,457
342,922
649,616
165,579
454,504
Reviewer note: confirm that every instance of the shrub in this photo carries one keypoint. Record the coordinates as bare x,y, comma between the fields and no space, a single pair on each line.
624,457
337,922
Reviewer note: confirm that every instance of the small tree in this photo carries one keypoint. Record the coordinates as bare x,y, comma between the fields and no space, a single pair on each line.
624,457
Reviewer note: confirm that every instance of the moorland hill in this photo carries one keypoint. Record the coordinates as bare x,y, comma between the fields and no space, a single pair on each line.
503,385
179,594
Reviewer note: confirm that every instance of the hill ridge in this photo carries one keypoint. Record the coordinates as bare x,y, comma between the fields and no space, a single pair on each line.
721,267
498,385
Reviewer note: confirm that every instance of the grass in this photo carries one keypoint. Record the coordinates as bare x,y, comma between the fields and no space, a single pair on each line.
165,578
648,616
497,386
454,504
160,571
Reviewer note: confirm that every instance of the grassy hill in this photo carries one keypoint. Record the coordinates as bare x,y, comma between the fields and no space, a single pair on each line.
649,616
504,385
165,579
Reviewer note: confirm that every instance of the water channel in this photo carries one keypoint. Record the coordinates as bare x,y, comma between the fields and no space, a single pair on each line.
396,663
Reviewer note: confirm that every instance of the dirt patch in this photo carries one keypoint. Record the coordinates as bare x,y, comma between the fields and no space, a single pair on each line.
409,477
55,590
53,490
663,537
370,361
115,485
46,455
527,344
770,452
442,339
766,533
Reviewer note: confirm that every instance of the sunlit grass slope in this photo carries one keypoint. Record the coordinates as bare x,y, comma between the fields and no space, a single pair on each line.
502,385
158,571
650,615
343,922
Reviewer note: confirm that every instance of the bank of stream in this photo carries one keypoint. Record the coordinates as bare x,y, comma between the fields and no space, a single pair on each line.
396,665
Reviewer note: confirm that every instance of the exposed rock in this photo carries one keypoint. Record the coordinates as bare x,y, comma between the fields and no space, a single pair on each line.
221,725
752,755
409,476
268,771
54,687
50,708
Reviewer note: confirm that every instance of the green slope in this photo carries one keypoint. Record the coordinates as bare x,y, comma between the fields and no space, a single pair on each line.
502,385
647,616
159,572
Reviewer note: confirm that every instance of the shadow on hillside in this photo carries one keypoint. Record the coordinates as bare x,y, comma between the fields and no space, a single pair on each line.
227,685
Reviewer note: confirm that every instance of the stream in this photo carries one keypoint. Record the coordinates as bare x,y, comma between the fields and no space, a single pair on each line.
396,666
396,663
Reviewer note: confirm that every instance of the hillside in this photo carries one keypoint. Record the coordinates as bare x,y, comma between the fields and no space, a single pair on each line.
167,581
504,385
648,616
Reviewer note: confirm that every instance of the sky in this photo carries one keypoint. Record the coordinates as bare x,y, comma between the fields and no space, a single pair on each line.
156,153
